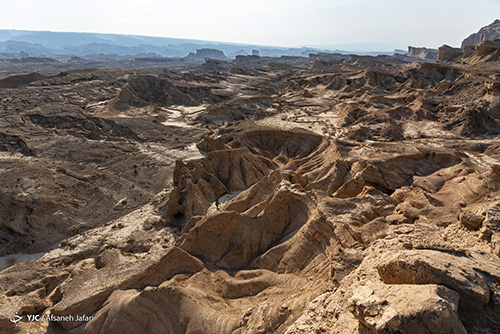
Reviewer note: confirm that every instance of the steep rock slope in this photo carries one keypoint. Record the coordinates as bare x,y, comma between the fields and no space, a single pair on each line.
486,33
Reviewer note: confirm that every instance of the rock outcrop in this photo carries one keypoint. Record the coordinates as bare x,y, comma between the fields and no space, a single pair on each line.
202,54
488,32
488,48
448,53
423,53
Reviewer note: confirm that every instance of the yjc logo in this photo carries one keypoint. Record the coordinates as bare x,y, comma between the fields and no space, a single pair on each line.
15,318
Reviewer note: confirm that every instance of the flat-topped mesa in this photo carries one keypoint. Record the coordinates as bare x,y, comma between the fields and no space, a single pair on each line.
488,32
202,54
448,53
424,53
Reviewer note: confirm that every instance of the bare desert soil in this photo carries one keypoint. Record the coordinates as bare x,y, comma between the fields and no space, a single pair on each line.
337,195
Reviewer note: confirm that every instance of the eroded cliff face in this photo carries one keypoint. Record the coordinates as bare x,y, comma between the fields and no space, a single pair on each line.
489,32
424,53
360,198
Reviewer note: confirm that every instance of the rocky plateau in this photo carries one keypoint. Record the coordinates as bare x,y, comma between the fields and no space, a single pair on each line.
330,194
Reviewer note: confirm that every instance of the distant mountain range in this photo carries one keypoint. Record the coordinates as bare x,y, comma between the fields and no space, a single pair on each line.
60,44
22,43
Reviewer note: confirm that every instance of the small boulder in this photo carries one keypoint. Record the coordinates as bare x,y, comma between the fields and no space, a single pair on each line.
471,220
397,219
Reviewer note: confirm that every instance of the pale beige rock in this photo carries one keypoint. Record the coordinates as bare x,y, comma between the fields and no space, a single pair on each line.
489,47
89,286
432,267
221,304
415,309
424,53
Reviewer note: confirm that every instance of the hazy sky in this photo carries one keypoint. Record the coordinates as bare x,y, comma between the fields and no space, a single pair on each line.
279,22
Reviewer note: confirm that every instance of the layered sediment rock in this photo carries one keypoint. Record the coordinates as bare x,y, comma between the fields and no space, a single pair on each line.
361,197
424,53
488,48
448,53
489,32
202,54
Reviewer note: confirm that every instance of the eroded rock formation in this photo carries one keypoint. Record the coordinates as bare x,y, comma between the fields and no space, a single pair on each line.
489,32
359,196
424,53
201,54
448,53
